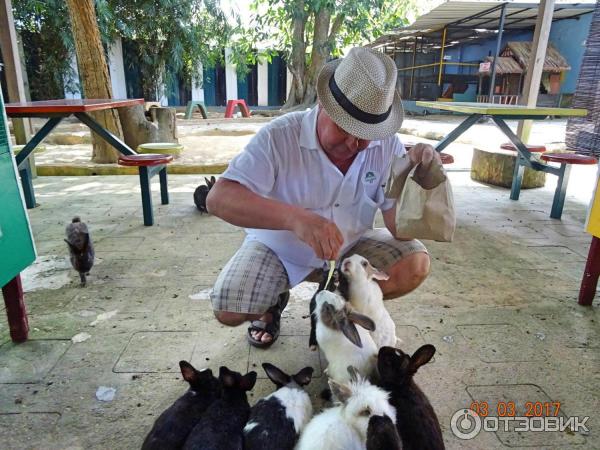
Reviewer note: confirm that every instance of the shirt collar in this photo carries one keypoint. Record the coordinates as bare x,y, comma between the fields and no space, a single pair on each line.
308,130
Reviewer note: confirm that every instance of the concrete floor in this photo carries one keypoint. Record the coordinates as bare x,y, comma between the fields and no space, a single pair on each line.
500,307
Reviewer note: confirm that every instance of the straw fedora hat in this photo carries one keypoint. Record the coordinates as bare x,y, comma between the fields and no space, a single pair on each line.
359,93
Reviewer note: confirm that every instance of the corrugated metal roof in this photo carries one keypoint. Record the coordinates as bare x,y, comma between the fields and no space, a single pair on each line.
480,18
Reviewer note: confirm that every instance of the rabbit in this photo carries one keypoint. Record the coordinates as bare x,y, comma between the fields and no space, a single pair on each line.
382,434
344,427
80,247
201,193
221,426
340,340
277,420
417,423
366,297
173,426
338,283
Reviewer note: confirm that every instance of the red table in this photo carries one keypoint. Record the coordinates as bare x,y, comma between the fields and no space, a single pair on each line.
56,110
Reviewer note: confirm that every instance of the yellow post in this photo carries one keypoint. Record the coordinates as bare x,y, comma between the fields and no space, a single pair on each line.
593,220
442,57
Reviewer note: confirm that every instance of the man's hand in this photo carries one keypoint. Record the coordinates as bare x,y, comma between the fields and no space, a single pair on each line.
323,236
424,154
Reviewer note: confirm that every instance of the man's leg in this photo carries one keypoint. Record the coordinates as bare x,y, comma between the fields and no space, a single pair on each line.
406,262
249,284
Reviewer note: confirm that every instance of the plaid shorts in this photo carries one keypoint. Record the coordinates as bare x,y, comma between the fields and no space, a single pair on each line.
254,277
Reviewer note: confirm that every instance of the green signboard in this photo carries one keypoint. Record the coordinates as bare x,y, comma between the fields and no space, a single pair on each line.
17,250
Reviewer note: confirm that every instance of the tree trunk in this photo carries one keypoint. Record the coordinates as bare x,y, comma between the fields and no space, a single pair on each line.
138,130
93,70
297,63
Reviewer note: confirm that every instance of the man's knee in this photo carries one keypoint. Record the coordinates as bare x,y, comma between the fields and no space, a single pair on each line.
230,319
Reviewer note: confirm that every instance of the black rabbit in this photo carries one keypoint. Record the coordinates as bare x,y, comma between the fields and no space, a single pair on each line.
201,193
173,426
221,426
277,420
416,420
382,434
339,283
80,247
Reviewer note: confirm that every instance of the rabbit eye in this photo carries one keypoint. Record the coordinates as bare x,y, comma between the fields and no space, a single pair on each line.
364,263
366,412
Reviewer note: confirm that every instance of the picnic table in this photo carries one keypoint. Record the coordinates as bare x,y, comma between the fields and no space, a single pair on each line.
56,111
500,113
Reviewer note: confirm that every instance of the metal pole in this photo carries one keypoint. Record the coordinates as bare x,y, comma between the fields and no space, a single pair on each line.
412,72
442,57
498,44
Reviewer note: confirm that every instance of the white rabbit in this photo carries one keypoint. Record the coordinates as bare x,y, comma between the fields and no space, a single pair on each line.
344,427
343,343
366,297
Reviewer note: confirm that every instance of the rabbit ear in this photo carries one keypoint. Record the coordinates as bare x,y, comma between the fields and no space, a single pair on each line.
277,376
226,376
247,382
328,315
86,242
213,180
350,331
71,246
422,356
340,391
207,181
187,371
376,274
362,320
354,375
304,376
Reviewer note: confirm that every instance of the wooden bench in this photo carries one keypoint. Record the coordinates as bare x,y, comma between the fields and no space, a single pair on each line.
241,104
149,165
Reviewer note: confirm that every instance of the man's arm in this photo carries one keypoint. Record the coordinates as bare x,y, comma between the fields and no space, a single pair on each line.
239,206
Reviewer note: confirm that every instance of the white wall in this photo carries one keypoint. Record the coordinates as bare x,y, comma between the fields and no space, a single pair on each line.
76,95
116,67
230,78
263,83
198,92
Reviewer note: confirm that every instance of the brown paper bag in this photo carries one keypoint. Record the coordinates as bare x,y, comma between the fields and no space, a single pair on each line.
425,204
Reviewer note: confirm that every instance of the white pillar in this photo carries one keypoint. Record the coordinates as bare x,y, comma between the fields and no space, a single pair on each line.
230,78
288,81
263,83
75,95
197,84
116,67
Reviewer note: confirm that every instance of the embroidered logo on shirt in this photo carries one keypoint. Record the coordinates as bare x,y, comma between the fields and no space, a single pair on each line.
370,177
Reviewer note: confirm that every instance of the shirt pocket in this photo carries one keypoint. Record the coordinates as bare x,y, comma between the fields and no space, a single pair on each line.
367,208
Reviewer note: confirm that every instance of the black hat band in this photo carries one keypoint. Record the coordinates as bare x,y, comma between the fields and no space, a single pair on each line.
352,109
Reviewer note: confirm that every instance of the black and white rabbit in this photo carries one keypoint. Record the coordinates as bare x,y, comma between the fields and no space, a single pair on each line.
341,341
173,426
277,420
81,248
416,420
382,434
221,426
201,193
338,283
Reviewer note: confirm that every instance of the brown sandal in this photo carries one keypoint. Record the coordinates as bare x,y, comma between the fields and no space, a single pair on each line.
271,327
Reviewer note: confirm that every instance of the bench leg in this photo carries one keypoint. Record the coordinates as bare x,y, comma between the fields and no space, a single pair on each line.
517,180
164,188
591,274
146,196
561,191
27,184
189,110
203,111
15,310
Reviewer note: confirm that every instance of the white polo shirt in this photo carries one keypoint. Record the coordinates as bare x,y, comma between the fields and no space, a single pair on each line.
285,162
